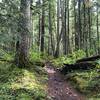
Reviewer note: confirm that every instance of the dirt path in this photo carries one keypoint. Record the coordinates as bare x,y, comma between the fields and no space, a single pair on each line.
58,88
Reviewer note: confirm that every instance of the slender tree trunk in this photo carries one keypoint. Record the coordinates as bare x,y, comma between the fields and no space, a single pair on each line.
65,20
75,26
42,28
89,27
57,46
85,42
98,36
31,26
50,29
68,40
39,34
79,23
65,30
39,29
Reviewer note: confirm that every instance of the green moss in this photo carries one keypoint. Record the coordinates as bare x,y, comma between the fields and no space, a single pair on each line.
21,84
87,82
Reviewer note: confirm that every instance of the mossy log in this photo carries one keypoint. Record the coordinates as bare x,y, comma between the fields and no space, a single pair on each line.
77,66
92,58
81,64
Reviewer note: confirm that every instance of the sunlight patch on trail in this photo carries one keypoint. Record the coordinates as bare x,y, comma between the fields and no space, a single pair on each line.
50,70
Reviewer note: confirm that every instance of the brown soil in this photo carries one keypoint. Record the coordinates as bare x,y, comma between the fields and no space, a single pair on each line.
59,88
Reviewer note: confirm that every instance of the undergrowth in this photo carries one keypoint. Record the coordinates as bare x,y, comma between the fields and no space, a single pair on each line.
6,55
87,82
22,84
71,58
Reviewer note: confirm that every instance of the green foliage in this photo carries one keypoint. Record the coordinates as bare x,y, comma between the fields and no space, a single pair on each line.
5,55
35,56
71,58
86,82
39,57
21,84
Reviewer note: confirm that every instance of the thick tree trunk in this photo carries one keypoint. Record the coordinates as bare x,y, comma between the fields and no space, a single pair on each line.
63,27
24,31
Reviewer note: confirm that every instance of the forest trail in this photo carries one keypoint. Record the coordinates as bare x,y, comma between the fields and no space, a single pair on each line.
58,88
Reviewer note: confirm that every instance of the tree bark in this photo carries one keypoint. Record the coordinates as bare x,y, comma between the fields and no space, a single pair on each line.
42,28
57,46
79,25
22,49
98,36
85,42
50,29
75,27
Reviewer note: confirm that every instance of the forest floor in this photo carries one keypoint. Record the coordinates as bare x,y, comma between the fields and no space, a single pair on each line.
59,88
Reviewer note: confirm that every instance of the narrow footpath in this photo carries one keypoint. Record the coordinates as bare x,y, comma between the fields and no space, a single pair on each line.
58,88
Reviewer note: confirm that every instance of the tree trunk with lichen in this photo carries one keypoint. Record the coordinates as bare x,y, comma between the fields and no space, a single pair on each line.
22,48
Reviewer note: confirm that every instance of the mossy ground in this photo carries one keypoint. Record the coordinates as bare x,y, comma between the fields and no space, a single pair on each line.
87,82
22,84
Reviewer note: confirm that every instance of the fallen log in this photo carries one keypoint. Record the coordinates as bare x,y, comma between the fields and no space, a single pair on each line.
93,58
77,66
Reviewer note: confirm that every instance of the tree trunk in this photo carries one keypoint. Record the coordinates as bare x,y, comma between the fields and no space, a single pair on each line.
42,28
65,36
22,49
50,29
89,27
57,46
85,43
79,23
68,40
75,26
98,36
39,28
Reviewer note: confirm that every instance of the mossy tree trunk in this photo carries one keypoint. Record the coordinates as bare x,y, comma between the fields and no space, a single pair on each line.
22,48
